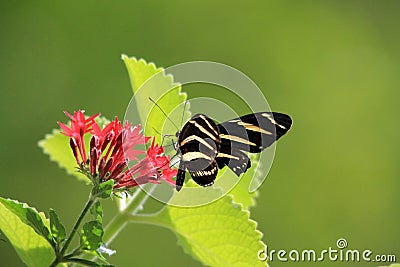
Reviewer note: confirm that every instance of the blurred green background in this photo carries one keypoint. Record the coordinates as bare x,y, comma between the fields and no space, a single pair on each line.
332,65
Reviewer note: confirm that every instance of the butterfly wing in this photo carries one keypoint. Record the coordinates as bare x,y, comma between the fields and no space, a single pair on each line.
250,133
237,161
207,147
199,144
206,176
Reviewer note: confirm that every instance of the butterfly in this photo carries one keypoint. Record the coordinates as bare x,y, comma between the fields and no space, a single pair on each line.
206,147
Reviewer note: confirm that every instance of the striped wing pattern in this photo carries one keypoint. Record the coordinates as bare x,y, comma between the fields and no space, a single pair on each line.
207,147
199,144
250,133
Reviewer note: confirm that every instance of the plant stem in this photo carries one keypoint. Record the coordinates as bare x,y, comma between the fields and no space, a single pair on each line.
114,227
88,205
128,214
147,219
137,204
82,262
121,219
55,262
60,257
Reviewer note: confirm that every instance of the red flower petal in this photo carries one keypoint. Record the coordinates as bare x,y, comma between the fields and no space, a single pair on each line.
112,147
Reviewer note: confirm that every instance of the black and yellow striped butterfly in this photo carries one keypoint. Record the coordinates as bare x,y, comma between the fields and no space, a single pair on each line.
206,146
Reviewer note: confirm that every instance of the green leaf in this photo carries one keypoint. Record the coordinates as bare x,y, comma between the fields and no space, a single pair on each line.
92,235
56,145
240,193
103,190
217,234
1,239
56,227
154,83
30,217
97,211
32,248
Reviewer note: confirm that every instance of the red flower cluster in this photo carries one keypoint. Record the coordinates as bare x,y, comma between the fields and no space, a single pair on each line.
112,149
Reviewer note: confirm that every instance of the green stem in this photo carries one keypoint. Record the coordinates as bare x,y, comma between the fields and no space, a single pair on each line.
81,262
88,205
114,227
140,199
55,262
121,219
60,257
147,219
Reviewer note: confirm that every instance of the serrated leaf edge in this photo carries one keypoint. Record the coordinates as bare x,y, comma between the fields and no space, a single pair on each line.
162,222
40,236
41,143
252,222
157,71
42,215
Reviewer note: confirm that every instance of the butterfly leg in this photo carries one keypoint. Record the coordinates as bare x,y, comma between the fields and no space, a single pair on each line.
166,136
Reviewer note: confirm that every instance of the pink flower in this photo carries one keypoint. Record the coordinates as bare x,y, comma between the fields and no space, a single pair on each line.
79,126
112,149
155,153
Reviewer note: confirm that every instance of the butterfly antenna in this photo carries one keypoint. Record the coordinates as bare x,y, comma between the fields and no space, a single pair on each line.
183,112
163,136
156,131
165,114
